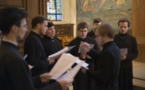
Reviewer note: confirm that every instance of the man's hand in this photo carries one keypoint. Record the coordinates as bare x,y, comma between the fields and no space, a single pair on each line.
84,70
51,61
86,46
123,57
45,77
65,84
83,56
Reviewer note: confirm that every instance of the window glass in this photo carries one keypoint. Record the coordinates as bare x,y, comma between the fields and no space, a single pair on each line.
54,10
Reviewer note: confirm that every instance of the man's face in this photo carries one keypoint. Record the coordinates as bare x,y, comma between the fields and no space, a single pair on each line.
43,27
82,33
97,24
50,32
123,27
22,30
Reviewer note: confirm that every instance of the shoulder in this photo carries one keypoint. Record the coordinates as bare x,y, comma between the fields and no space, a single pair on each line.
72,42
132,37
116,35
89,33
56,38
90,39
13,58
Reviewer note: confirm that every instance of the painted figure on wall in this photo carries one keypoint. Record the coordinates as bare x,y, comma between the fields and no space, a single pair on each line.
95,5
88,5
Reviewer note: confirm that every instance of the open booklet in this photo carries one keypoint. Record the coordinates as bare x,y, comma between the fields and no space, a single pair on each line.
81,50
59,53
69,76
64,63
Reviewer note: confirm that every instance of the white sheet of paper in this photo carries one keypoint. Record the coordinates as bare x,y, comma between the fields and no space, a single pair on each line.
85,65
63,64
81,50
123,51
69,76
57,54
25,56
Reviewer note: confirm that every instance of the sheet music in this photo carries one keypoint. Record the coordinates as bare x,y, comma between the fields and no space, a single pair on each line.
63,64
57,54
69,76
123,51
81,50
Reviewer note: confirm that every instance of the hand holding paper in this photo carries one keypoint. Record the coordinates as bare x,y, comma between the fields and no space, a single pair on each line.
85,47
63,64
69,76
123,51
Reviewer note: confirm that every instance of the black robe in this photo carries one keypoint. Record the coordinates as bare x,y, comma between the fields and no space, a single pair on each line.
91,34
107,67
14,71
33,47
83,81
51,46
126,70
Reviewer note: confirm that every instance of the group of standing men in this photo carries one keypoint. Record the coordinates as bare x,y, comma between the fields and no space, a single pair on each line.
108,68
14,71
112,67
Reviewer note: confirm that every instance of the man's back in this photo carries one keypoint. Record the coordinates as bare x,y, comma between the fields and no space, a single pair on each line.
14,72
108,65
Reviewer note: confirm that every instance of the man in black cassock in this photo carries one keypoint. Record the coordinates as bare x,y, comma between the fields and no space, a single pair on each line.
107,62
33,46
82,81
14,71
96,22
51,43
126,41
34,49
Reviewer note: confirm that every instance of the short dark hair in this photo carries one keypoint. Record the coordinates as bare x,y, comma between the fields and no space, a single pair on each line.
82,25
38,19
10,16
97,20
50,24
106,29
124,20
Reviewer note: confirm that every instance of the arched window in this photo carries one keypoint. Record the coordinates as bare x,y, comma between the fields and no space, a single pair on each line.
54,10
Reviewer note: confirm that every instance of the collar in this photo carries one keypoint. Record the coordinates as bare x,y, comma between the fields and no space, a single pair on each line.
6,40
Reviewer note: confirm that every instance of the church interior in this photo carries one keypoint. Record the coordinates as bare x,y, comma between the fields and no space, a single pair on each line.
75,11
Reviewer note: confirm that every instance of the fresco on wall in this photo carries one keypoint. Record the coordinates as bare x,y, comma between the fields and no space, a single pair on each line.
108,10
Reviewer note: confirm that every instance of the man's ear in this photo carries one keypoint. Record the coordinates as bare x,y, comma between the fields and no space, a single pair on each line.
38,25
14,28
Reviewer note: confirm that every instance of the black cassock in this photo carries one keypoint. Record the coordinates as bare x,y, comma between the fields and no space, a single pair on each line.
126,70
83,81
14,71
33,47
91,34
107,67
51,46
